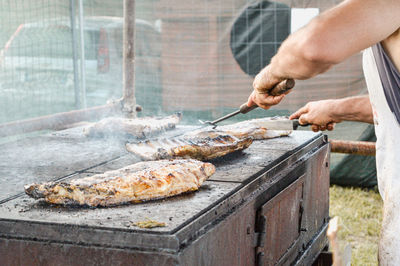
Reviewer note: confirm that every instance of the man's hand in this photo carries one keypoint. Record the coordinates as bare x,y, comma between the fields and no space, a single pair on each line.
321,114
263,100
263,83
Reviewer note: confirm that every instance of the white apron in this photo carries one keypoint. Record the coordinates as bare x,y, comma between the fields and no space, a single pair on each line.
387,131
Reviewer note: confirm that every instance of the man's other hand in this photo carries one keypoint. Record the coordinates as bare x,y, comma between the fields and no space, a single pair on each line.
320,114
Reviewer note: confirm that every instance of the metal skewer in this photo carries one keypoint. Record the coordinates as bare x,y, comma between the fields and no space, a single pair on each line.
279,89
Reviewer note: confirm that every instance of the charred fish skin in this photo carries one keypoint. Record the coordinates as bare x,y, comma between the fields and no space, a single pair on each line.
211,148
132,127
203,148
135,183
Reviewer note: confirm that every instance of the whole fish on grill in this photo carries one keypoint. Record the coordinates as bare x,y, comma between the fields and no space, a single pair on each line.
257,128
204,147
134,183
137,127
206,144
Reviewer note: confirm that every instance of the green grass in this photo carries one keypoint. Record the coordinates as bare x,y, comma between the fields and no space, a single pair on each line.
360,213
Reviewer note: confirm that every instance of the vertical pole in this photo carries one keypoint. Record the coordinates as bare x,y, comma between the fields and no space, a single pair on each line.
128,75
75,54
82,57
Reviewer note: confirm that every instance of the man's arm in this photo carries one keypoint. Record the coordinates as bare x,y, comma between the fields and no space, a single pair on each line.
328,39
326,113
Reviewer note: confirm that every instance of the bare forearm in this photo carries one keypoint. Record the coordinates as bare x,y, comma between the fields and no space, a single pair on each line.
334,36
294,60
327,40
353,109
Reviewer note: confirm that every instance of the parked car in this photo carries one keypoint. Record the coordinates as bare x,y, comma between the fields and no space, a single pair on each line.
39,57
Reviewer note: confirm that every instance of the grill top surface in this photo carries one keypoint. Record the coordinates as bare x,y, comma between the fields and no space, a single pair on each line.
69,155
61,154
174,211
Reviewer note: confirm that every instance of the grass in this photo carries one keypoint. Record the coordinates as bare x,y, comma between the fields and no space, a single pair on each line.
360,216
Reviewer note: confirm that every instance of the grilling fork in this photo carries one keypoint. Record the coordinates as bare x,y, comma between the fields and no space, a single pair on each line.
279,89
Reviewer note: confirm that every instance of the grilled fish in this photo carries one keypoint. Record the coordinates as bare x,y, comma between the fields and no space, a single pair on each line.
137,127
255,128
135,183
200,147
206,144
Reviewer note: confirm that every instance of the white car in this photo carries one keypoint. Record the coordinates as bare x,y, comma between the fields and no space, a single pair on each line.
38,58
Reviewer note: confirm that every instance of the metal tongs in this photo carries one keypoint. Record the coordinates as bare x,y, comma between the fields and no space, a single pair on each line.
279,89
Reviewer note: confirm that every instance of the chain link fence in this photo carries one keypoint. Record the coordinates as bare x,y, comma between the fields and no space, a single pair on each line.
195,57
59,55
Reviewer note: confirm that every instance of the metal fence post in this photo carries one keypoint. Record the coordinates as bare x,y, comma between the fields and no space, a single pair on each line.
82,55
128,75
78,103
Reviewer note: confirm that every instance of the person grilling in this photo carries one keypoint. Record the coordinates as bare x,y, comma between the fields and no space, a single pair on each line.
330,38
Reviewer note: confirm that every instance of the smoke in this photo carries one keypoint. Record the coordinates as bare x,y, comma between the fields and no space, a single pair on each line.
52,156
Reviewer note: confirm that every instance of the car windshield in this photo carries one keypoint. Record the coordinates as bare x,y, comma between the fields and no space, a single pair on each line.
51,42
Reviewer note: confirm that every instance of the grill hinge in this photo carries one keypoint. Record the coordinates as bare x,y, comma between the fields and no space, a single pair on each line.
260,230
259,238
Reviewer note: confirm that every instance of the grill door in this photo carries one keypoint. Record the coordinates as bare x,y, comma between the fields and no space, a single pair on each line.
279,225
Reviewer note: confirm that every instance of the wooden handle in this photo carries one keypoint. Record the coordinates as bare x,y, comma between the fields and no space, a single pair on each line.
282,87
353,147
245,109
296,124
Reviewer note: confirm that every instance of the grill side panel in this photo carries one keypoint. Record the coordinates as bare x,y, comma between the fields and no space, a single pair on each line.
290,200
44,253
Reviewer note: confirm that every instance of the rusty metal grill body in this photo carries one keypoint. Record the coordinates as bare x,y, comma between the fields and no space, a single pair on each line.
266,205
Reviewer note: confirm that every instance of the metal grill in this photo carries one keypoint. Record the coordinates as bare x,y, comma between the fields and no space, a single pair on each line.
205,226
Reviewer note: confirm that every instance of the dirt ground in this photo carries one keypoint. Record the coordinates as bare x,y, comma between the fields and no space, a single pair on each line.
360,216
